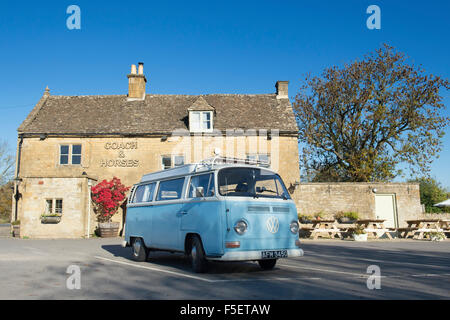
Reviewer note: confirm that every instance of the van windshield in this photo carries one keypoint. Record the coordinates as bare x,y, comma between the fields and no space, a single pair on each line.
251,182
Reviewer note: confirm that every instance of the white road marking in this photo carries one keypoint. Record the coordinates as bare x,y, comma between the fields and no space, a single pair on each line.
37,251
430,275
323,270
267,279
155,269
204,279
358,275
377,261
363,275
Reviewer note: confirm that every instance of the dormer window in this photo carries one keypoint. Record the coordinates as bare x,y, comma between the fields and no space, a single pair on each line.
200,121
201,116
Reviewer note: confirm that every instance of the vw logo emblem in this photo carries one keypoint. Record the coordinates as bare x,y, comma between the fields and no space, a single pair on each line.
272,224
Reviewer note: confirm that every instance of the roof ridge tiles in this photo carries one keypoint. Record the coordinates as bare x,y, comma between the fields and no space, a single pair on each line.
166,95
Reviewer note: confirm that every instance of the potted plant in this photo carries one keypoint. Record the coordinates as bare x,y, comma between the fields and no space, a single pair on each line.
319,215
107,197
16,228
346,217
339,216
304,218
359,234
435,236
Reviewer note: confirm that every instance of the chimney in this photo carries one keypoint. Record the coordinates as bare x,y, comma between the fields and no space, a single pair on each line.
282,89
136,83
47,92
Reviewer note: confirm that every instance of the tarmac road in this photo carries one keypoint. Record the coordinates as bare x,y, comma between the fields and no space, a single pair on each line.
410,269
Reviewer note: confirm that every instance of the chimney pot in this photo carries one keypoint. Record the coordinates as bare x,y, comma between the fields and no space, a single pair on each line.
141,68
133,69
47,92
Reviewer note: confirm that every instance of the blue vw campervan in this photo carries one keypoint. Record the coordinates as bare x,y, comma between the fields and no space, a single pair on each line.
213,210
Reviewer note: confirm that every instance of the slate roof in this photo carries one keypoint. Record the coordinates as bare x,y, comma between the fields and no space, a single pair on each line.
201,105
156,114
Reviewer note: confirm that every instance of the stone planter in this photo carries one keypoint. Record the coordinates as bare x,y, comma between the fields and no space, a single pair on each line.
108,229
345,220
50,219
360,237
16,231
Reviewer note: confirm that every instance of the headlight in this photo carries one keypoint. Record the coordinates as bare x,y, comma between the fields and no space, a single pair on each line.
294,227
240,227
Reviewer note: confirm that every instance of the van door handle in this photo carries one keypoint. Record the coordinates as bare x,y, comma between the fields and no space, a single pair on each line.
183,212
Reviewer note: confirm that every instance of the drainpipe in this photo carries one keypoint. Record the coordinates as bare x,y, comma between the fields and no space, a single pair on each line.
16,191
89,208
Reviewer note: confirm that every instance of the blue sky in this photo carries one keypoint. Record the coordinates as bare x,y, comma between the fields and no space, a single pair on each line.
194,47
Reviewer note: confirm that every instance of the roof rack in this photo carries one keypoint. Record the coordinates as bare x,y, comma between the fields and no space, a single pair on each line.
210,162
207,164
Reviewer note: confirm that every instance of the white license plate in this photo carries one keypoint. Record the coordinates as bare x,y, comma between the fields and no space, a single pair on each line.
274,254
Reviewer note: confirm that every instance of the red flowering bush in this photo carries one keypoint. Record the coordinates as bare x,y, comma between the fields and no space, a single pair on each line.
107,197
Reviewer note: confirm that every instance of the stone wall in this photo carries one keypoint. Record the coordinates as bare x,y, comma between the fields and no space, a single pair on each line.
130,158
35,191
330,198
127,159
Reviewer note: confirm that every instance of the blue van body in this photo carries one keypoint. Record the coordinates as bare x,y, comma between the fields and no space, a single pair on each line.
167,207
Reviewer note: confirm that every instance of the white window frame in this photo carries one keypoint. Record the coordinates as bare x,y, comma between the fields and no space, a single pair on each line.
70,154
257,156
172,160
198,125
53,209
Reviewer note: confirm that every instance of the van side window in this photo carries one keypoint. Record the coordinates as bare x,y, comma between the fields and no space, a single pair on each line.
201,186
138,194
170,189
144,193
148,193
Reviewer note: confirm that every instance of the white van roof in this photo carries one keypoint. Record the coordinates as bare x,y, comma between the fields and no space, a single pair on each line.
203,166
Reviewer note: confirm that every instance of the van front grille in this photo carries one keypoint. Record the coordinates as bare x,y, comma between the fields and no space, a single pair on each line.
258,209
280,209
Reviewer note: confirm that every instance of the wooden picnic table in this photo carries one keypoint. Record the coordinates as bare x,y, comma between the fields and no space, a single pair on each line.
445,224
374,228
322,227
417,228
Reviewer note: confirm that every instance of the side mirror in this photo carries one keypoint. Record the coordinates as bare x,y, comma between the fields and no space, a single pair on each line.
199,192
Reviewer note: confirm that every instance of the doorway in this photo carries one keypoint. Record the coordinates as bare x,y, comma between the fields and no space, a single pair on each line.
386,209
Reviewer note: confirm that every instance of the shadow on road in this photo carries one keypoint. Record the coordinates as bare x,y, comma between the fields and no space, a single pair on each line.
181,262
327,271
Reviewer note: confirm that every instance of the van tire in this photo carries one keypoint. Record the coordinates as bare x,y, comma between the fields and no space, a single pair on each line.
267,264
197,255
139,251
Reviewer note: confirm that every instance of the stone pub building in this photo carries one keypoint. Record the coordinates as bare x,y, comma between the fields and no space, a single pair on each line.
67,144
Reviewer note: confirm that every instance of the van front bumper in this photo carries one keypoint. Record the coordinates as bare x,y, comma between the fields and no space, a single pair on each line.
252,255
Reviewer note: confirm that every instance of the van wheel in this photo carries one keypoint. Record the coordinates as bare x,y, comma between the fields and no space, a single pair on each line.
139,250
197,255
267,264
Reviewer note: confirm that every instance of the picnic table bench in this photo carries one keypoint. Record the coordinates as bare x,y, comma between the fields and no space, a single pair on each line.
374,228
417,228
445,224
322,227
